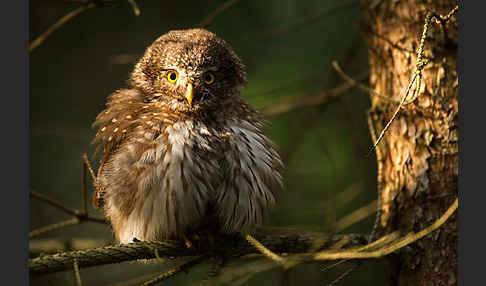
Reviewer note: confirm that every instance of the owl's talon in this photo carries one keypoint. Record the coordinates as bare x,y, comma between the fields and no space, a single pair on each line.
187,242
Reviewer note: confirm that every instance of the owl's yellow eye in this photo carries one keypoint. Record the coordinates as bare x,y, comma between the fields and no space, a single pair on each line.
208,78
172,76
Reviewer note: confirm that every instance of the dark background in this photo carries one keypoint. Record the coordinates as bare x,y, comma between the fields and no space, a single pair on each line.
328,173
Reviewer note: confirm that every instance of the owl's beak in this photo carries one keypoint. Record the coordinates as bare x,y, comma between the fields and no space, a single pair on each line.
189,94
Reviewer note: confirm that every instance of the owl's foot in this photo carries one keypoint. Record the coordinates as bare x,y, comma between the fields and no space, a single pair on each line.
187,242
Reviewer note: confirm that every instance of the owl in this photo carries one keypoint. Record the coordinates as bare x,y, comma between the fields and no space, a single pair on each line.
181,150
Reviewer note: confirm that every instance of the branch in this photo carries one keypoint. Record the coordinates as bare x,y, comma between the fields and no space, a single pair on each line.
313,100
39,40
52,202
397,244
361,86
77,275
380,248
69,16
55,226
78,216
218,11
174,271
306,20
279,243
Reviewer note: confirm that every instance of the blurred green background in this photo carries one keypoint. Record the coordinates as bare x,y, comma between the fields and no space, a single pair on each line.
328,174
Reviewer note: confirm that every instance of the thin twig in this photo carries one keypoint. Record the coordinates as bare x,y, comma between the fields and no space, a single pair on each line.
53,227
53,203
328,267
379,177
394,114
76,213
78,217
361,86
417,75
396,245
356,216
312,100
88,164
135,8
218,11
343,275
302,22
84,191
448,16
172,272
77,275
87,4
39,40
265,251
394,45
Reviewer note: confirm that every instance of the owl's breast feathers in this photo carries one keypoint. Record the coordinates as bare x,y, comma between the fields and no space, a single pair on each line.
161,172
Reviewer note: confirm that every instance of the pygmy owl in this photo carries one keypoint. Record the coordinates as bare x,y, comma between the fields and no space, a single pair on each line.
181,148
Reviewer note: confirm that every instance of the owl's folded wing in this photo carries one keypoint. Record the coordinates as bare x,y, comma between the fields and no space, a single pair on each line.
252,177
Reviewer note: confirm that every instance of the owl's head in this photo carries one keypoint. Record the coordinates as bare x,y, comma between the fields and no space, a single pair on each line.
193,69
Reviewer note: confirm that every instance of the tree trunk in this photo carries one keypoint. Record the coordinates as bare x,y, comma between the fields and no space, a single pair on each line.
418,156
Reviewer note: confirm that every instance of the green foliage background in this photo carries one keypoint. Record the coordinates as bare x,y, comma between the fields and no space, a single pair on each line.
324,147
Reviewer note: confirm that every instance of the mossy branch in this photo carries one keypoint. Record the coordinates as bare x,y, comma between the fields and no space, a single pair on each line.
279,243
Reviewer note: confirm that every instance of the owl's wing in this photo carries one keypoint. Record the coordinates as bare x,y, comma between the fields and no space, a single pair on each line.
252,175
119,119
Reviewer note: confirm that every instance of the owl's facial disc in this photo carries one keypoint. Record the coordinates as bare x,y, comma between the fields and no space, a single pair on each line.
192,70
191,84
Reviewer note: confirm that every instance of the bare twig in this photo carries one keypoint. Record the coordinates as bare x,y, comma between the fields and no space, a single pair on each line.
379,176
39,40
302,22
78,217
356,216
343,275
382,133
397,244
172,272
361,86
265,251
327,267
135,8
84,191
53,227
76,273
446,18
218,11
87,4
88,164
312,100
394,45
76,213
53,203
417,75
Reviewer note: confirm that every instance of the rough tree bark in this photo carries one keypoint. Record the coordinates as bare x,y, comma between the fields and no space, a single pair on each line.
418,157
